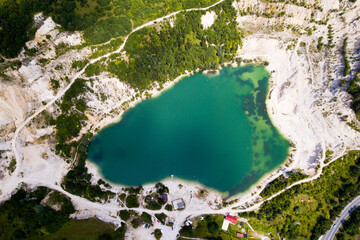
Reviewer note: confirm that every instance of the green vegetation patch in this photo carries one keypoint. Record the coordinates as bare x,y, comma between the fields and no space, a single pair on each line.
98,18
157,234
78,181
80,64
160,55
168,207
354,91
17,19
141,11
161,217
306,211
146,218
351,227
69,123
106,29
125,215
24,217
132,201
345,57
280,183
90,228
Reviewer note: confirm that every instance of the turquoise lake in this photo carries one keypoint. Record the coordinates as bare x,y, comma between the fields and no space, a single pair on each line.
211,129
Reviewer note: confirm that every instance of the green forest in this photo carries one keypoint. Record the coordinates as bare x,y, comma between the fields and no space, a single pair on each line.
24,217
159,55
28,215
100,20
351,227
306,211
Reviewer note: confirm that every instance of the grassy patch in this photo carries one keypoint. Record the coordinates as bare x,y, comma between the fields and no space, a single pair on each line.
86,229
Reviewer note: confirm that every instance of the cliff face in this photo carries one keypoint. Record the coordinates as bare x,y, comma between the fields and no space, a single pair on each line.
13,106
304,44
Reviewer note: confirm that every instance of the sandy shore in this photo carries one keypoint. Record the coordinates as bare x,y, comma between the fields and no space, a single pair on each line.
249,196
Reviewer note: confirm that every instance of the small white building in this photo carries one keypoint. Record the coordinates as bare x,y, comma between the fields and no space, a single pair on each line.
225,225
178,204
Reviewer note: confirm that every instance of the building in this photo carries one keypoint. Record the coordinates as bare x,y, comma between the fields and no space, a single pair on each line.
178,204
231,219
239,234
228,219
164,197
225,225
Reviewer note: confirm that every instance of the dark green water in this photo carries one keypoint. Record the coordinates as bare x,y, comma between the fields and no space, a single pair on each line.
214,130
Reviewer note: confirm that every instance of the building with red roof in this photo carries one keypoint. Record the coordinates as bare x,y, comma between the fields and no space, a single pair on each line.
231,219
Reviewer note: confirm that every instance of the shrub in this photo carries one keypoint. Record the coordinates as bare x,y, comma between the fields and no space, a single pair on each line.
125,215
132,201
169,207
161,217
146,218
103,2
135,223
157,234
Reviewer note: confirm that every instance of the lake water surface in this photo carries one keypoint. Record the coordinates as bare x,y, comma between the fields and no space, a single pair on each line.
212,129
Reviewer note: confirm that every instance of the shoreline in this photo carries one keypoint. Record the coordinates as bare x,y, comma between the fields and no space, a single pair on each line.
154,93
94,169
253,189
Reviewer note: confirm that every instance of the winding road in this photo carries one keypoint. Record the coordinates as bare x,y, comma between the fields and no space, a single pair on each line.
343,216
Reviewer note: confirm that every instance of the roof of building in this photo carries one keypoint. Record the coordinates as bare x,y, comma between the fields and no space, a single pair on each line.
231,219
164,197
225,225
180,205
